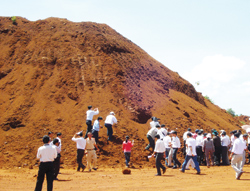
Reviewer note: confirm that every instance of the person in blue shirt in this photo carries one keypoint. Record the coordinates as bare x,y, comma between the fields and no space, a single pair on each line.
96,128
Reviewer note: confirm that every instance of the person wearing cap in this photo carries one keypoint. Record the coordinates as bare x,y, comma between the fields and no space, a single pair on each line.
126,147
191,153
151,136
167,143
159,153
89,117
154,122
46,154
208,148
110,120
161,131
184,140
225,144
236,155
175,145
80,145
96,128
199,143
217,148
90,152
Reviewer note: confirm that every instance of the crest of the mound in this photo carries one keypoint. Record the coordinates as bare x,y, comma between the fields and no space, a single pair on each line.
78,60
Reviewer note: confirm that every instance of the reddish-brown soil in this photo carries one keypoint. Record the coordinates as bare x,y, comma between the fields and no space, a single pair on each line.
51,70
214,178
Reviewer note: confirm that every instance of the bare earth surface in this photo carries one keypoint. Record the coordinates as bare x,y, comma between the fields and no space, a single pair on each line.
214,178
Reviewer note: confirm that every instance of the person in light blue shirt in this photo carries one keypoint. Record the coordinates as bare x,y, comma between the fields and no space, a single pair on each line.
96,128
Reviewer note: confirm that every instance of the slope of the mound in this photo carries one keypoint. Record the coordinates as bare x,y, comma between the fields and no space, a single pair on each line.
51,70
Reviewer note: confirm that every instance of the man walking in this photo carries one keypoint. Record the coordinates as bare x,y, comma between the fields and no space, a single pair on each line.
80,145
237,155
46,154
191,153
110,120
184,140
89,117
175,145
167,143
159,153
217,147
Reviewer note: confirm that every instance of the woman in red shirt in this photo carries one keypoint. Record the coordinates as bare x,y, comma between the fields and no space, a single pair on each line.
126,147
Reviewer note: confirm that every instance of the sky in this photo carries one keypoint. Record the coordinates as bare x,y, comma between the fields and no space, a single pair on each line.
206,42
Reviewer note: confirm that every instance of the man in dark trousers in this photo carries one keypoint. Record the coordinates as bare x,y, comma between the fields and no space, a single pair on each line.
159,153
217,148
80,145
56,163
46,154
89,117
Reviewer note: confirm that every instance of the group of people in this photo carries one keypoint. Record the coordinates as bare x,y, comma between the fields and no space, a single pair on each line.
199,148
50,153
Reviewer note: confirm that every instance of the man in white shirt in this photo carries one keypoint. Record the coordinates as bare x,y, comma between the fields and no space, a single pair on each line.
184,140
46,154
162,131
96,128
237,155
80,145
225,143
175,145
110,120
159,153
199,144
167,143
57,160
89,117
191,153
154,122
244,139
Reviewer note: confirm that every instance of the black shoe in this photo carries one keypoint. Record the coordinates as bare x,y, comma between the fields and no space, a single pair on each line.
174,167
94,168
239,175
164,170
181,171
198,173
83,168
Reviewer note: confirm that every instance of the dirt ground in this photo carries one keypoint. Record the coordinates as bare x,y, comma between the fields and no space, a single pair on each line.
214,178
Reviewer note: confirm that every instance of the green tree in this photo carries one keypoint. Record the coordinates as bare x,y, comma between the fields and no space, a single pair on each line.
206,97
231,112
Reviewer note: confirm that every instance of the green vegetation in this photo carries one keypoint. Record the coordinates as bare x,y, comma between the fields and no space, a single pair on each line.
13,20
242,122
206,97
231,112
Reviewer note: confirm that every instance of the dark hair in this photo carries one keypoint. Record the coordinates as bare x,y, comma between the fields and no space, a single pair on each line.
245,135
168,133
55,141
99,118
174,132
49,133
157,136
157,126
90,106
163,125
199,133
45,139
237,135
223,133
59,134
189,134
189,129
197,130
80,134
127,138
